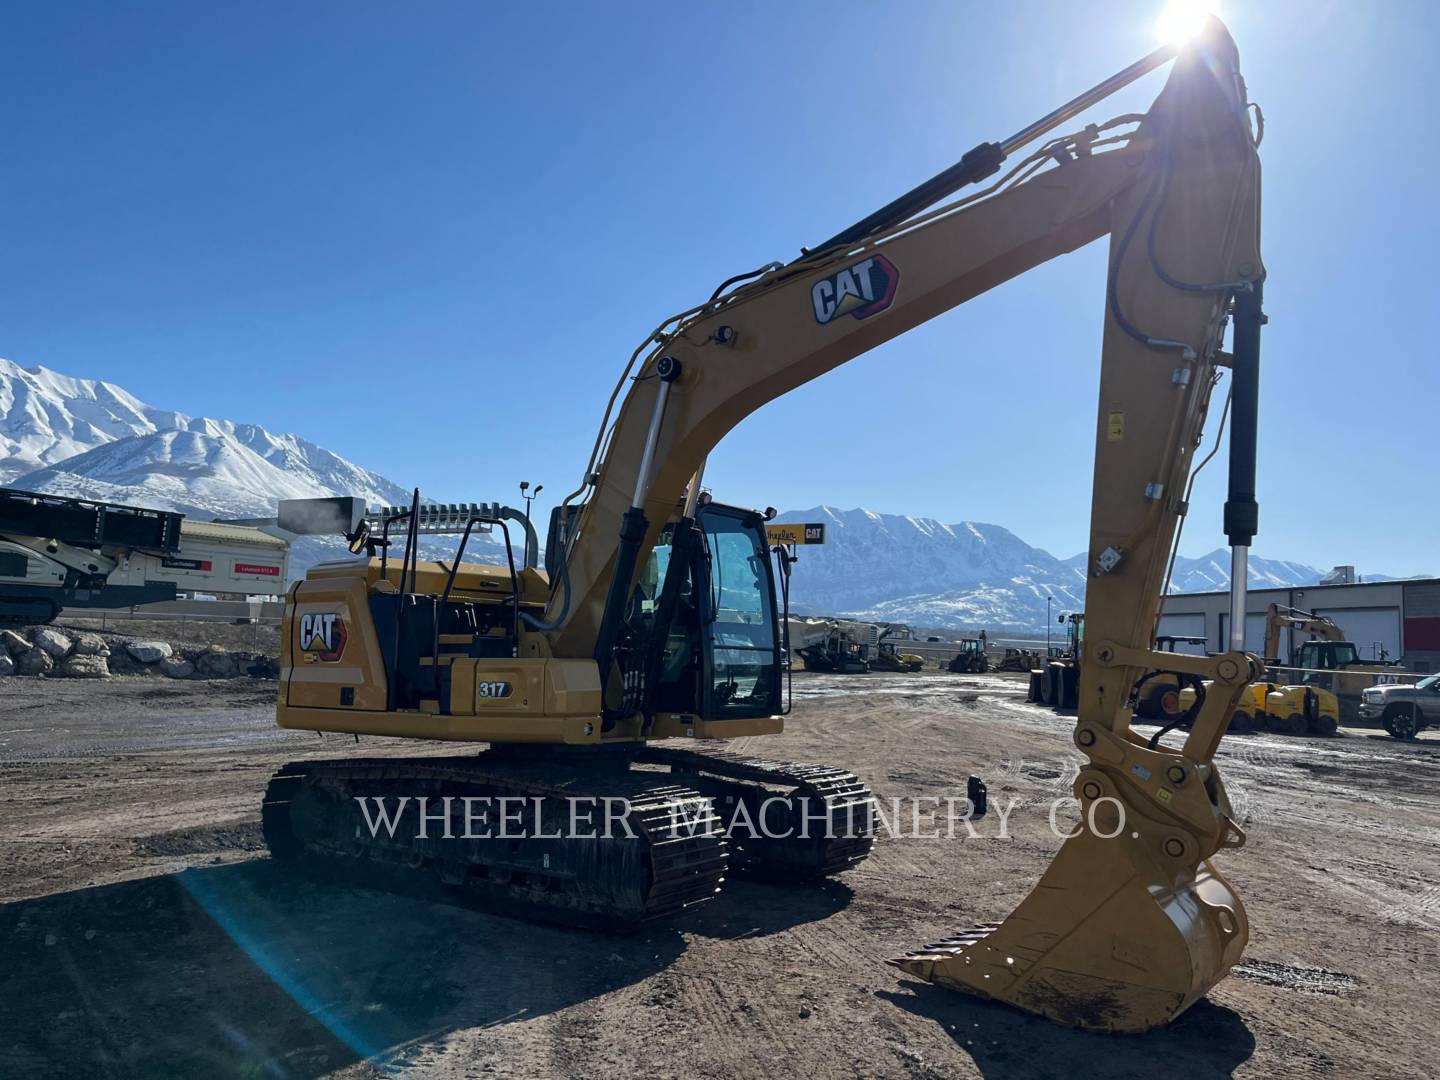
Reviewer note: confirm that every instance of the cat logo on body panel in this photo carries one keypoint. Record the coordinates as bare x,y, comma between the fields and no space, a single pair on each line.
322,637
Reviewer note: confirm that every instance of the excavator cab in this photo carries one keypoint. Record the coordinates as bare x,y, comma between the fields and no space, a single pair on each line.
703,624
1328,655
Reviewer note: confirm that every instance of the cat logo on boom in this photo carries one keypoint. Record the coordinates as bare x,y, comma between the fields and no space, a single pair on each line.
863,289
322,637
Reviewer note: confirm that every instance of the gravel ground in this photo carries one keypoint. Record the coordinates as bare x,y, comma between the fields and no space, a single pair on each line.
145,932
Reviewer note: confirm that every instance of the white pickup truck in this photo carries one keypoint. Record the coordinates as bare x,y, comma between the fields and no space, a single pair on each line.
1404,711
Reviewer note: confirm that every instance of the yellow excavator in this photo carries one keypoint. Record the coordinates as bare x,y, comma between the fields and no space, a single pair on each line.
1333,677
1327,662
656,629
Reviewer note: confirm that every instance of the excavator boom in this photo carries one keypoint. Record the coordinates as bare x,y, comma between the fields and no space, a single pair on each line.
1123,932
1316,627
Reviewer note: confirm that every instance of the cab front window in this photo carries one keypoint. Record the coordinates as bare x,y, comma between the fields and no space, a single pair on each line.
744,659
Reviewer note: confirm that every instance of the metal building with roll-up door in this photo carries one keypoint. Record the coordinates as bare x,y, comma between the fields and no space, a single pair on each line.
1394,619
1375,631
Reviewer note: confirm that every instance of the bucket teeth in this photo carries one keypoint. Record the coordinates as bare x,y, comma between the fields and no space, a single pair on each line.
921,962
952,945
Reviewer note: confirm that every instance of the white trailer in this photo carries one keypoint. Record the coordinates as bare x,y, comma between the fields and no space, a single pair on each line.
232,561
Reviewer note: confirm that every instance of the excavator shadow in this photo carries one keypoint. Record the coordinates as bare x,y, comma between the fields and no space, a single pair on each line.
242,970
751,907
1206,1042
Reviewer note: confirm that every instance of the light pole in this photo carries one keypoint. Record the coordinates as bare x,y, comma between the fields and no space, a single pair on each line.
528,495
1048,601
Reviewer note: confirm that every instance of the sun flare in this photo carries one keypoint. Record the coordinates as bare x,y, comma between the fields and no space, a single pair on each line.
1181,20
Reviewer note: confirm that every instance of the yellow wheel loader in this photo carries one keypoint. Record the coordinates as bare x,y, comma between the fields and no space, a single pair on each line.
1158,698
655,629
888,657
1056,682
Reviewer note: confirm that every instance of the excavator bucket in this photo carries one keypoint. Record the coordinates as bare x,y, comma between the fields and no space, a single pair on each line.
1087,953
1131,923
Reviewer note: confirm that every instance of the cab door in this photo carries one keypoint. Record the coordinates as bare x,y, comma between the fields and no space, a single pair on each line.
739,627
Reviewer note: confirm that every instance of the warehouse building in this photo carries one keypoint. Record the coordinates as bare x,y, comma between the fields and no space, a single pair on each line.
1395,619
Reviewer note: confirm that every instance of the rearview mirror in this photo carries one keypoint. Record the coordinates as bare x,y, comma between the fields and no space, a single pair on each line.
359,539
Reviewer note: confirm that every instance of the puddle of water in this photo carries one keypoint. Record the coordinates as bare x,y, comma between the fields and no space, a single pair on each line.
920,686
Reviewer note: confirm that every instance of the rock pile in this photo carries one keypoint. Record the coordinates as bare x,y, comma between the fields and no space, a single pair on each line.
44,650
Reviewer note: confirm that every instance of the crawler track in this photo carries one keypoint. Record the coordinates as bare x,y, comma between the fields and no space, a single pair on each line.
572,836
799,820
661,850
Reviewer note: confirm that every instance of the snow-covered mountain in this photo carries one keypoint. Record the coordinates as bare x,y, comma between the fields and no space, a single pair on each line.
211,468
892,568
91,439
46,417
1211,572
920,570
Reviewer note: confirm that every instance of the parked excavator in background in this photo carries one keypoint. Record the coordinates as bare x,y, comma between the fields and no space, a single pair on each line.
655,626
1266,705
1326,663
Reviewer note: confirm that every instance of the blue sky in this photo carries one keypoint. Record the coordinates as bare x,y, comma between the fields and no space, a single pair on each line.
427,237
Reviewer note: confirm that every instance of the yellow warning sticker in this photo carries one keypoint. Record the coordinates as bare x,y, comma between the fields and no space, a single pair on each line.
1115,427
1165,794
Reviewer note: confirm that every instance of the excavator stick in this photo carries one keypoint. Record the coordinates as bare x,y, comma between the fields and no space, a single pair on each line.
1132,923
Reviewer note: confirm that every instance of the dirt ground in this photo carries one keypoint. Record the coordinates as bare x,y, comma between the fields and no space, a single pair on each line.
145,932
